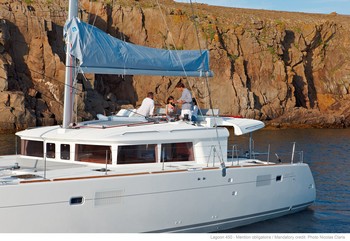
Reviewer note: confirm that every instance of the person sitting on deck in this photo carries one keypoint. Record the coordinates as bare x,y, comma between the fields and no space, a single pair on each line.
194,110
170,108
147,107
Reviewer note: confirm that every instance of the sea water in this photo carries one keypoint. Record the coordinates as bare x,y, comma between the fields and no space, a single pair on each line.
327,151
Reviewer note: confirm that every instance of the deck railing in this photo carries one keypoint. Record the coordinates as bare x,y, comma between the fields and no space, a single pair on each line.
294,156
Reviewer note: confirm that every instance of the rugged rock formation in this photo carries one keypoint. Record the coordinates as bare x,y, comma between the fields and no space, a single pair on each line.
288,69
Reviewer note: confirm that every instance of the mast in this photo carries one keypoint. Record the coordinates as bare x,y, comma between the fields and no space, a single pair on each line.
70,72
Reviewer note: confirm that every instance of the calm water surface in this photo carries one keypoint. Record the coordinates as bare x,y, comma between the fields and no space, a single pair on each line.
327,151
328,154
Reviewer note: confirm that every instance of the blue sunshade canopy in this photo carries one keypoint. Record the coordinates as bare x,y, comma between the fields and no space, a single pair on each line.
100,53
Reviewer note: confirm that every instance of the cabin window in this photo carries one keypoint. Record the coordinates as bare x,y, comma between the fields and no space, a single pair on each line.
136,154
32,148
65,152
177,152
93,153
50,150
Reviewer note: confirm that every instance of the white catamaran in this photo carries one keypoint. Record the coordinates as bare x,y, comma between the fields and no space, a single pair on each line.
129,174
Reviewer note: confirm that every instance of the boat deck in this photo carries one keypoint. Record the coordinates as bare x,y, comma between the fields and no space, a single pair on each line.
15,169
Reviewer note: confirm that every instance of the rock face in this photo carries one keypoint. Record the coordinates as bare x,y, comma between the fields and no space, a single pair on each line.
287,69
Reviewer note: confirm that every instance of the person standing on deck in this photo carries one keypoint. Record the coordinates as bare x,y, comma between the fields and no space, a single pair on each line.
147,107
186,101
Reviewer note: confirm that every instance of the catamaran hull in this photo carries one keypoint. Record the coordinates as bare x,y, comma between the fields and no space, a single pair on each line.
179,201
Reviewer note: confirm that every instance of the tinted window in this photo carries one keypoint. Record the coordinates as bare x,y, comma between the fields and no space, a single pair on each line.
177,152
65,151
50,150
136,154
93,153
32,148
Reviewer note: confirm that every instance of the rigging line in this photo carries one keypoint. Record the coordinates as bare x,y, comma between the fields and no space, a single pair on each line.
93,22
172,39
200,49
199,44
173,42
222,163
215,123
52,79
195,26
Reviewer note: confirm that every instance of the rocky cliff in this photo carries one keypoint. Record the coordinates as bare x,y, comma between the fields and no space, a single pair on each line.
288,69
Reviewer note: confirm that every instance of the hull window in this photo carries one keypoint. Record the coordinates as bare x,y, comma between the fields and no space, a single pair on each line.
177,152
136,154
32,148
93,153
76,200
278,178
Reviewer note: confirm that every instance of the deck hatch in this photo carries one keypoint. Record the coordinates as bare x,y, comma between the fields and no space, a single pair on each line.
26,176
